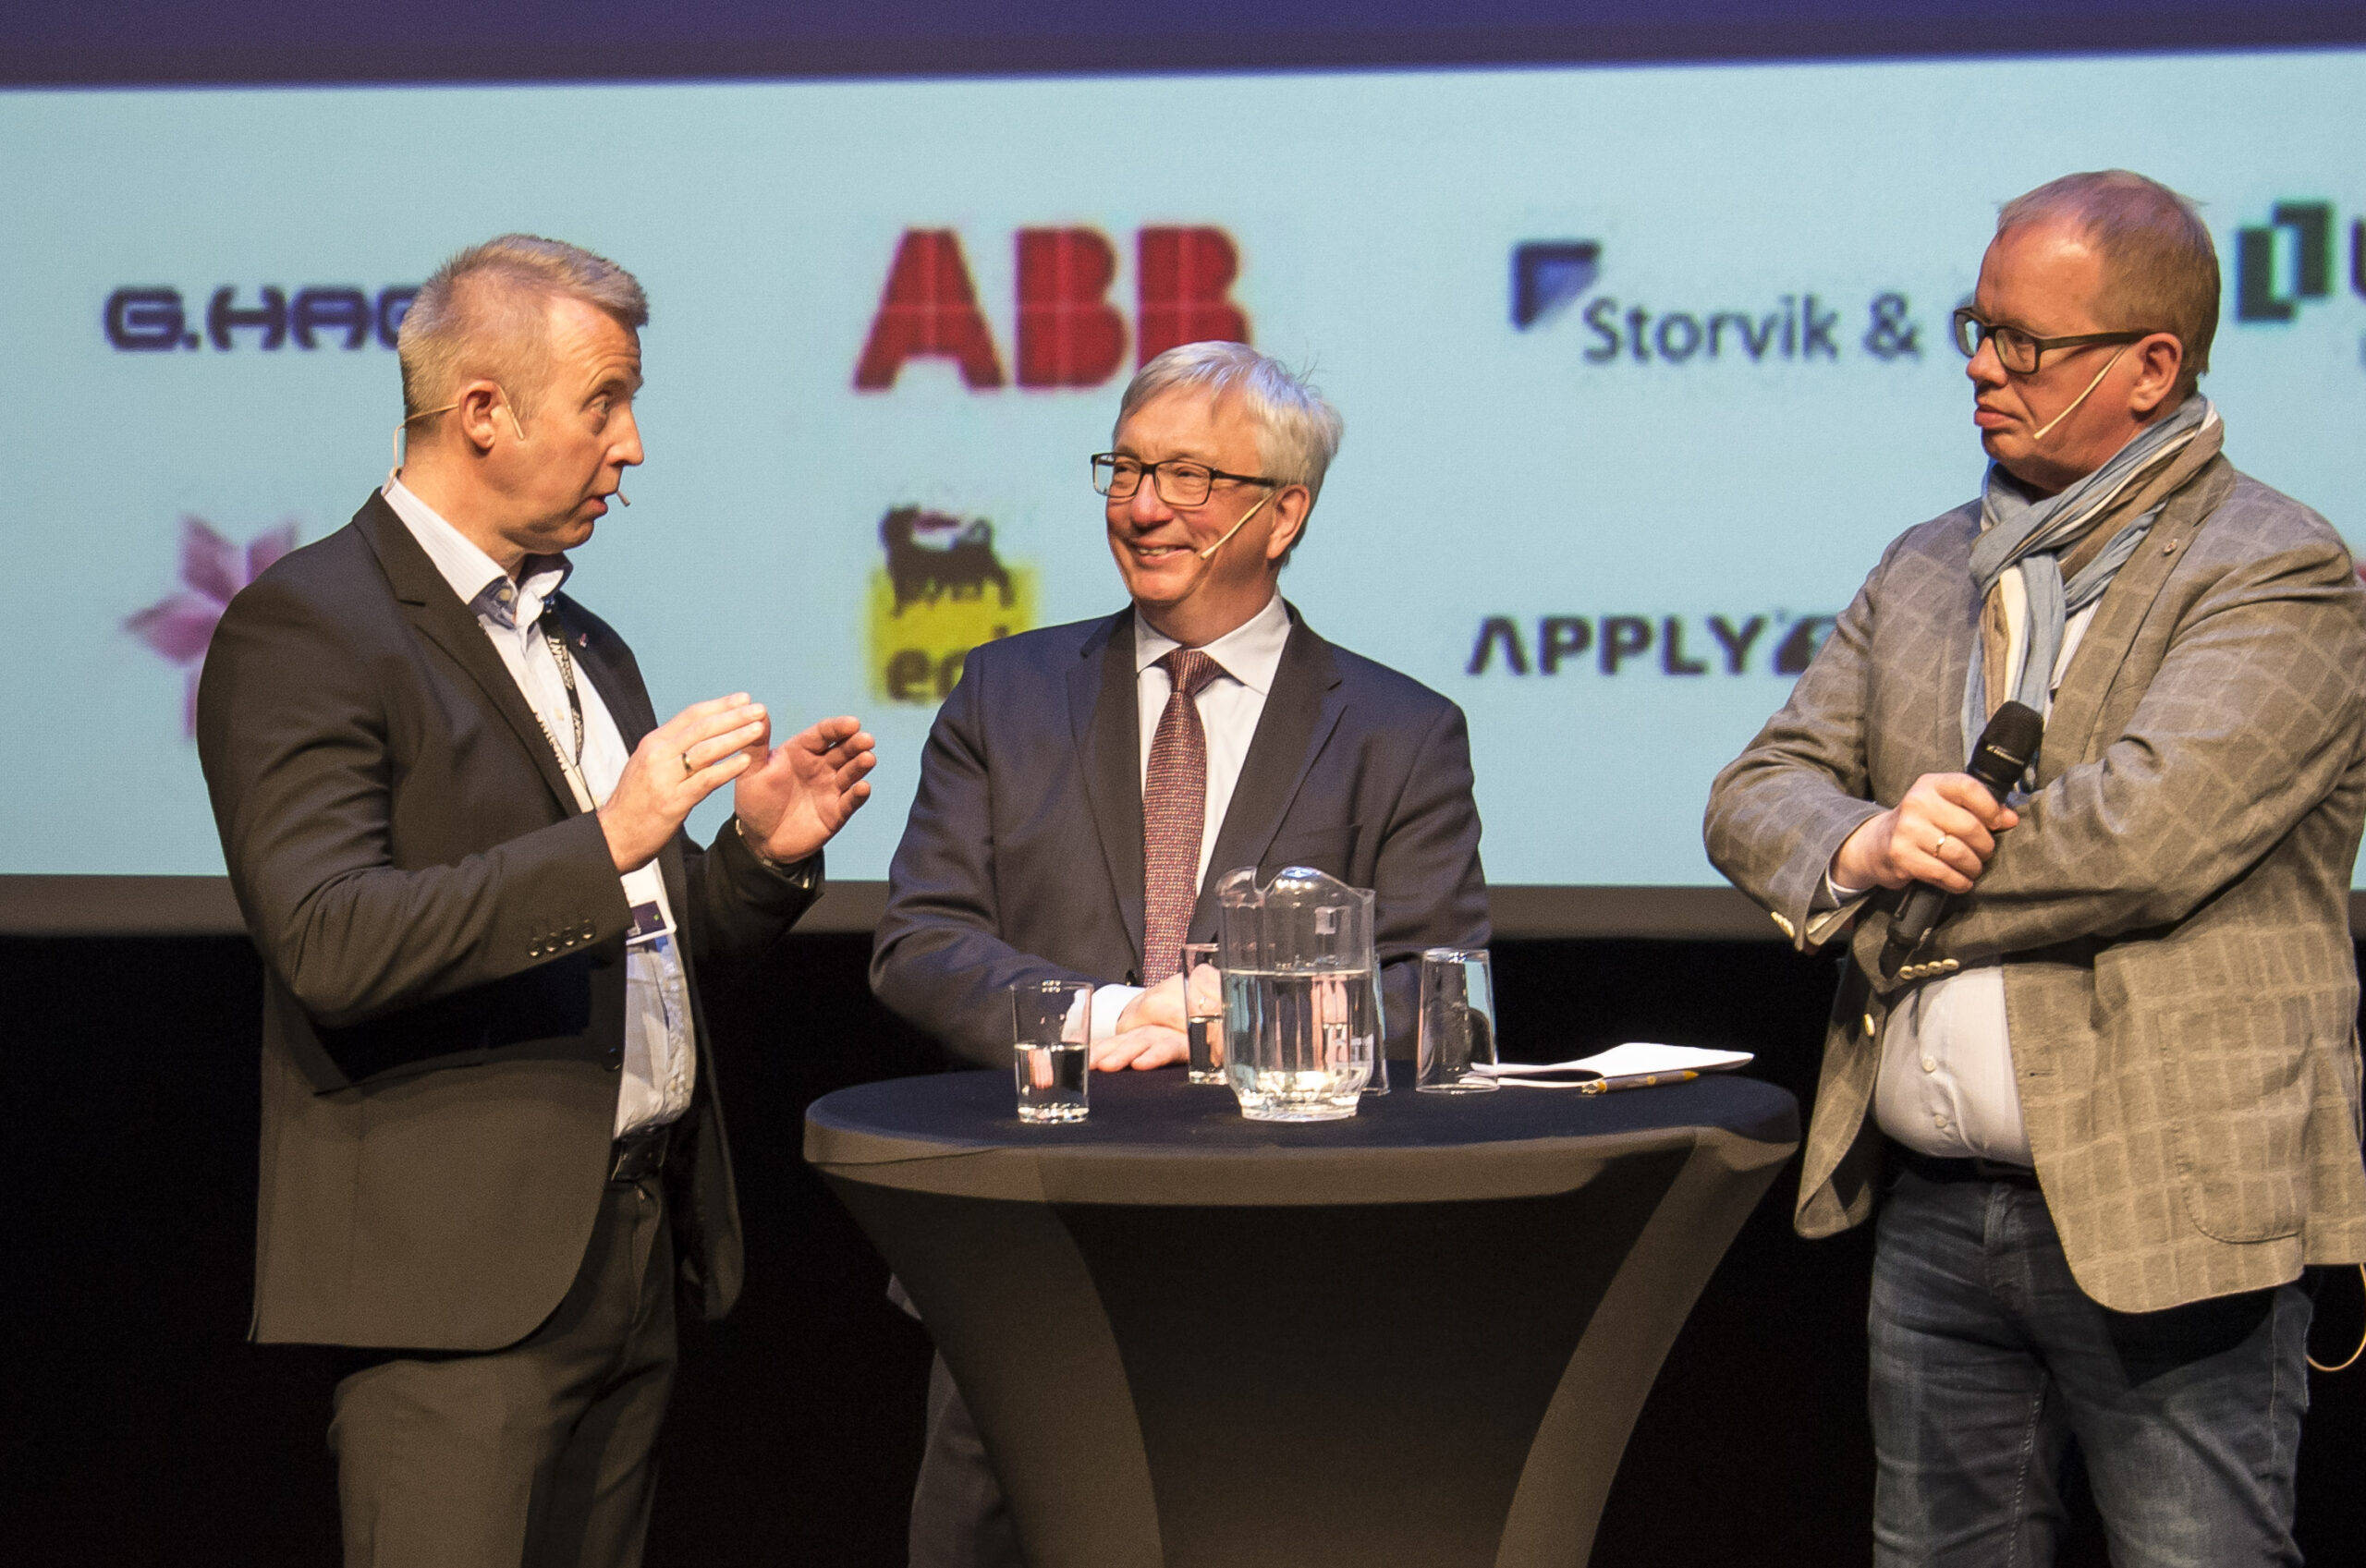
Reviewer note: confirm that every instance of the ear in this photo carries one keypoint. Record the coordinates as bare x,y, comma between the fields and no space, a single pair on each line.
477,416
2158,359
1290,508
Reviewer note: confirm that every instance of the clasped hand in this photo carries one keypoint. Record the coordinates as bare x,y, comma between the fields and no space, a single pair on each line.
790,798
1944,832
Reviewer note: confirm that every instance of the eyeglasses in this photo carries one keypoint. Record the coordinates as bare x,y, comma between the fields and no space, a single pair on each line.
1178,483
2019,351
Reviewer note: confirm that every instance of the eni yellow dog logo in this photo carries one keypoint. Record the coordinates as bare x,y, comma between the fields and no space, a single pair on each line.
940,592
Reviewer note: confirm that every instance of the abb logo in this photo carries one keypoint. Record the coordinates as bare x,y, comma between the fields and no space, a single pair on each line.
1069,335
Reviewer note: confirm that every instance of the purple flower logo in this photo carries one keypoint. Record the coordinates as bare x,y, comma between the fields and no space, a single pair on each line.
180,626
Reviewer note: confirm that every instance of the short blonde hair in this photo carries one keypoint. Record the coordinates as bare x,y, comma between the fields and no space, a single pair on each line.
2159,268
486,312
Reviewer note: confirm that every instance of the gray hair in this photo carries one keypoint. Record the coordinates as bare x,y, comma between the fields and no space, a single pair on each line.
2159,269
1297,432
486,312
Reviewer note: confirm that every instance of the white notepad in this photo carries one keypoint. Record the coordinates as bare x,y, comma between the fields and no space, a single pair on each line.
1636,1057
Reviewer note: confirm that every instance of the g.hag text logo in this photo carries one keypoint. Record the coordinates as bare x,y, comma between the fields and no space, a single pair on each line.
156,319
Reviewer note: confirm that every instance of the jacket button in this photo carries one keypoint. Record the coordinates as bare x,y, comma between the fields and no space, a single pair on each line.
1870,1030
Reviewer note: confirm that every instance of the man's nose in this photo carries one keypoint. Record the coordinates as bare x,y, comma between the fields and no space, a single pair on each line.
626,452
1985,367
1144,509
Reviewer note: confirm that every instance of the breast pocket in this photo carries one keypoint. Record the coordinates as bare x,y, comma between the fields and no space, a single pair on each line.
1329,849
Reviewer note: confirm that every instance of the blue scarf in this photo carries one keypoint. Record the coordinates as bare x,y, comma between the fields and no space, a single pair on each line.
2031,536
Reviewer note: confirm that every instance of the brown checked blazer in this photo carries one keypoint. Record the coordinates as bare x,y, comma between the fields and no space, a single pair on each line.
2172,912
443,938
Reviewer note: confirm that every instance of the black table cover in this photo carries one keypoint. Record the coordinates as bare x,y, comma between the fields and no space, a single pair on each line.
1417,1336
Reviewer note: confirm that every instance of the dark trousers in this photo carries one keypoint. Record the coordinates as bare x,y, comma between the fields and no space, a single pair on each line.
960,1519
1988,1362
540,1455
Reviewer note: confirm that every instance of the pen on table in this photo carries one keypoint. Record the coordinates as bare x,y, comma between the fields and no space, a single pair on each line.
1636,1080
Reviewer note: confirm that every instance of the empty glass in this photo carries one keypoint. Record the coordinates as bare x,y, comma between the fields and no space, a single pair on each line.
1457,1021
1203,1011
1051,1033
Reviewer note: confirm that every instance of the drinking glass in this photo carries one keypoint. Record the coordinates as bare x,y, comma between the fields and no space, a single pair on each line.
1051,1032
1203,1011
1457,1021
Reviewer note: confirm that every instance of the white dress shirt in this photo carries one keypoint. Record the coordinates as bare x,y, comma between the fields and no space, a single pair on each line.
661,1056
1947,1086
1230,704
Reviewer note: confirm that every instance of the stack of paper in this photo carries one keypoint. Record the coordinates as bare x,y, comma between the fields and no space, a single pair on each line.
1633,1065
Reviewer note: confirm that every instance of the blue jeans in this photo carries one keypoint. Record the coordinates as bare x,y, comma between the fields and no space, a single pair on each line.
1988,1361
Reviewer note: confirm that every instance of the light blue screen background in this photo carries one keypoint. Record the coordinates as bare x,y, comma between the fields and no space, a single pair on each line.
1487,470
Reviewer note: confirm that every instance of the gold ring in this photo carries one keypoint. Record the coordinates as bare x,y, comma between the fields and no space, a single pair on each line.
687,770
1934,848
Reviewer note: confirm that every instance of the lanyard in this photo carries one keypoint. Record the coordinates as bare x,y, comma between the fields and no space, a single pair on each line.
556,642
555,639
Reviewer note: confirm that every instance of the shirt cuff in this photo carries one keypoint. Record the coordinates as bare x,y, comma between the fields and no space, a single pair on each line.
1107,1003
797,871
1831,907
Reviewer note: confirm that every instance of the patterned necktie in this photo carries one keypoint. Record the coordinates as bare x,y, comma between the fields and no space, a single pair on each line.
1175,810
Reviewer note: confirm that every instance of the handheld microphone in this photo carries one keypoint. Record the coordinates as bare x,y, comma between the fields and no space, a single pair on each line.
2003,755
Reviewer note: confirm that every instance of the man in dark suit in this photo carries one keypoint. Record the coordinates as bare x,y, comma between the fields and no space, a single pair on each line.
1086,785
490,1145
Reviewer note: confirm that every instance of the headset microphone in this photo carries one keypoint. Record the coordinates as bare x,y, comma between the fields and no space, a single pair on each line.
1236,527
2003,755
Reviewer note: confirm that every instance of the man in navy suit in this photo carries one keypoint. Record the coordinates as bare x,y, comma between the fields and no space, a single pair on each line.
1085,786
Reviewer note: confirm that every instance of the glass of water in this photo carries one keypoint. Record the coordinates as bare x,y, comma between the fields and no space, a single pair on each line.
1457,1021
1049,1035
1203,1011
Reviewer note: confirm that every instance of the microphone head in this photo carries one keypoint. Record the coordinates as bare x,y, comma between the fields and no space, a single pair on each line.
2006,746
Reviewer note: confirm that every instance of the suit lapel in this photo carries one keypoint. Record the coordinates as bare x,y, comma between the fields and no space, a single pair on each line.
430,606
1104,715
1300,711
2069,730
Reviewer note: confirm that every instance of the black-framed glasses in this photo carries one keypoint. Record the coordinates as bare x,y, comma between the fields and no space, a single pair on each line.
1178,481
2019,351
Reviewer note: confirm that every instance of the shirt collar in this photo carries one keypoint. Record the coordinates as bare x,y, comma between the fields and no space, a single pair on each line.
474,575
1251,652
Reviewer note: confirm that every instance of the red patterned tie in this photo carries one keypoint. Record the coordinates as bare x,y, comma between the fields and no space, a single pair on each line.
1175,810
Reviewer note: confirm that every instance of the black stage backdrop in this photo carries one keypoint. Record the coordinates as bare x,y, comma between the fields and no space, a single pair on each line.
141,1430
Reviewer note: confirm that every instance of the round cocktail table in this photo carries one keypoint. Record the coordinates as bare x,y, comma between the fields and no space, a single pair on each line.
1418,1336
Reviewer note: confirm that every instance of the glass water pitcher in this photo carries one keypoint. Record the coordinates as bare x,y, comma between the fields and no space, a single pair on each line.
1302,1021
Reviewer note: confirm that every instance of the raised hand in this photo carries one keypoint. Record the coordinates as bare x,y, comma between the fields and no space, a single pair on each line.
676,766
795,798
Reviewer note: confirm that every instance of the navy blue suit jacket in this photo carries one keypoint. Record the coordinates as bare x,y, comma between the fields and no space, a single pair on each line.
1024,855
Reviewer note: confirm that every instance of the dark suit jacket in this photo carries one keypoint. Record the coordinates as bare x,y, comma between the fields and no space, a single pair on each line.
1023,856
443,934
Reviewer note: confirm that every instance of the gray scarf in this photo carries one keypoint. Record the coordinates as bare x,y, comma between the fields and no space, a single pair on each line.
2067,548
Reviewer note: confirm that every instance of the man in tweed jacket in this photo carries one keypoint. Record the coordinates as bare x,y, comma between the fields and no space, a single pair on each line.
2113,1097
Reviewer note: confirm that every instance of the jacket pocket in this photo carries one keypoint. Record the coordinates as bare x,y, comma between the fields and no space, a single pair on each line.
2235,1092
1326,849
